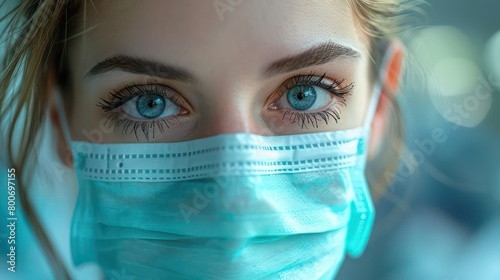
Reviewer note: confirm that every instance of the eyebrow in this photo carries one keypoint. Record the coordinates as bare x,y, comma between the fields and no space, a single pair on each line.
143,66
317,55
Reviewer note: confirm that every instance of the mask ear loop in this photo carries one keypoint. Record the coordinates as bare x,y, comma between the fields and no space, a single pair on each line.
362,209
377,89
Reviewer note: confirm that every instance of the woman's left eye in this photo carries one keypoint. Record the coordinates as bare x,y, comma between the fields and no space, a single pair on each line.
305,97
305,93
150,106
145,102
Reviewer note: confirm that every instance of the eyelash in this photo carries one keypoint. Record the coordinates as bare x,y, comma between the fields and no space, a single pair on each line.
311,118
118,98
127,125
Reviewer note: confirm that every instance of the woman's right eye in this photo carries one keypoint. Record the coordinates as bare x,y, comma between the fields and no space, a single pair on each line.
150,106
147,108
144,102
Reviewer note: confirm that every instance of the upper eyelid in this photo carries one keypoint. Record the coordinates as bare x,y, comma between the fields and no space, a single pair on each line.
300,79
304,80
118,98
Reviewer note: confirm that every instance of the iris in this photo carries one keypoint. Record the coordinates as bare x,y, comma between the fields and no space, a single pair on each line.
301,97
150,105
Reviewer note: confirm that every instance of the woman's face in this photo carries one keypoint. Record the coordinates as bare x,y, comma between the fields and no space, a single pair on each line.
168,71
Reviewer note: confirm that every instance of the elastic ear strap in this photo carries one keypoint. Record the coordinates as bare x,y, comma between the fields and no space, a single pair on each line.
372,106
62,115
377,89
362,208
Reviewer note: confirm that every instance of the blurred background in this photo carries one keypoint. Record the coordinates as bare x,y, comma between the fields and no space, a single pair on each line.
440,217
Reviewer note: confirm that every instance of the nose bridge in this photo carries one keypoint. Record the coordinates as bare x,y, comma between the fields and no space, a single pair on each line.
231,108
232,116
231,98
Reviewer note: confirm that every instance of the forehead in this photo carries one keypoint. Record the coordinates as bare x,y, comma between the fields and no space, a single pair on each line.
228,30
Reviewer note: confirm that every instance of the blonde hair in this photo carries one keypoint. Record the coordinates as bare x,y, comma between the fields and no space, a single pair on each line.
382,20
37,31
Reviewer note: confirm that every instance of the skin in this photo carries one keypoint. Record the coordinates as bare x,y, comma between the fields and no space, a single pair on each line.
228,55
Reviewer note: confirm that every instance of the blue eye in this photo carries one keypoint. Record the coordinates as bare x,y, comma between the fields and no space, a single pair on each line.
303,94
304,98
150,106
145,107
301,97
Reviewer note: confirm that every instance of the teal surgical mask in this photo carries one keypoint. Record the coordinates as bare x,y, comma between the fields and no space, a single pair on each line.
232,206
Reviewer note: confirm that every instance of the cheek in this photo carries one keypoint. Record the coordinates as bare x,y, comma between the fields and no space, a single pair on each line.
87,121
